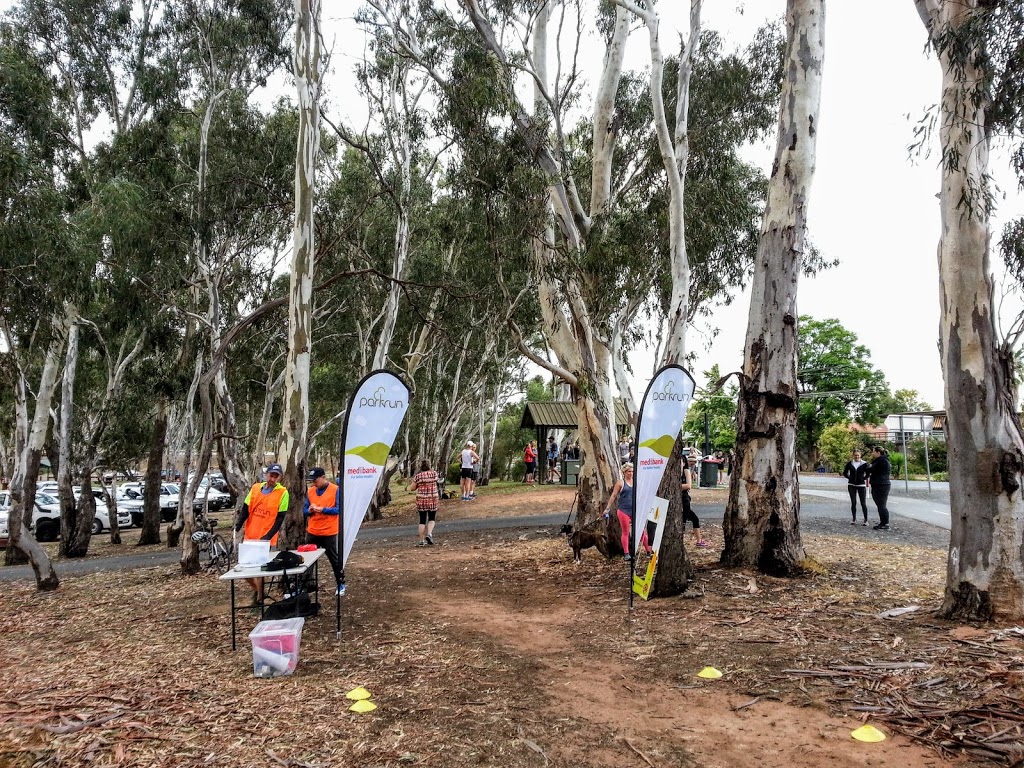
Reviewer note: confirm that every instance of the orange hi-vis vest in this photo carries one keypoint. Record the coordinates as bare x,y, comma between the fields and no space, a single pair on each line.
263,510
318,524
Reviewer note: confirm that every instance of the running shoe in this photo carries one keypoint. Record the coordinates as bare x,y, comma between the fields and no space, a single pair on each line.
430,541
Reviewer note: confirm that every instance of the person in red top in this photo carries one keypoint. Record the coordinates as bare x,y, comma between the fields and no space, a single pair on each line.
321,513
262,515
427,501
530,459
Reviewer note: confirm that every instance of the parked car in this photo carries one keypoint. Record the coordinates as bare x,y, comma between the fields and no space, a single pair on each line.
208,491
45,515
5,536
168,499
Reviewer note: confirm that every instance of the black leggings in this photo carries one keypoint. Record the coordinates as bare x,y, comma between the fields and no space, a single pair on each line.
880,495
862,492
688,514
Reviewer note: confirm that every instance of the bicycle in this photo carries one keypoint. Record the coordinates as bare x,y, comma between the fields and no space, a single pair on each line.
217,551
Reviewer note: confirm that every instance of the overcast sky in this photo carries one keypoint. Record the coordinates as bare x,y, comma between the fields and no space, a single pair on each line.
873,206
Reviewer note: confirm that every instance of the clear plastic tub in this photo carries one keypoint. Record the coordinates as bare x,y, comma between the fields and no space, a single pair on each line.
275,647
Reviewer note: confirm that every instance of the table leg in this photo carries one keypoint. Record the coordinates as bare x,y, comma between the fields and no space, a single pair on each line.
263,590
232,614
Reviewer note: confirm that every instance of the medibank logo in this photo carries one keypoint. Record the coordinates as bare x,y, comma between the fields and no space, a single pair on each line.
669,394
379,400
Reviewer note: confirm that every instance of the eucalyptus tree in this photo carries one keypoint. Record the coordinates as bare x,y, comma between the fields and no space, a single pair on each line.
563,281
227,51
33,199
979,51
307,70
762,519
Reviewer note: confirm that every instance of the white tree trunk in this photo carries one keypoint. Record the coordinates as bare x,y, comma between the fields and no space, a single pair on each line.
762,519
985,569
28,446
306,64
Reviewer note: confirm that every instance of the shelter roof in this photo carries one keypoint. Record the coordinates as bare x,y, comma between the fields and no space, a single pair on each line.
562,415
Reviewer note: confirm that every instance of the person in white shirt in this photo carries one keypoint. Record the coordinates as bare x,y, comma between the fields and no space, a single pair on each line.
469,459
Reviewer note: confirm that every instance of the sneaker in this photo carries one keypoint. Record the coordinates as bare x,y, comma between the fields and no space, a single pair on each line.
854,522
430,541
703,544
627,558
340,591
865,522
421,543
881,527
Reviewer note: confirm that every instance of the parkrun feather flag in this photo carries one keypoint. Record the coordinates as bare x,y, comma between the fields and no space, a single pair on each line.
374,416
662,413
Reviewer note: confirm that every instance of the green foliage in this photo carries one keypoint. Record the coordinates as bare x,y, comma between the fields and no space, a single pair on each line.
718,403
897,462
835,445
831,361
938,459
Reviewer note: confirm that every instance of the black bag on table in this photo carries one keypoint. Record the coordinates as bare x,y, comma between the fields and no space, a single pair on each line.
283,561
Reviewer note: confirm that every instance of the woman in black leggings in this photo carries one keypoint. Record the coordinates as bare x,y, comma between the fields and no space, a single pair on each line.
856,472
879,482
689,514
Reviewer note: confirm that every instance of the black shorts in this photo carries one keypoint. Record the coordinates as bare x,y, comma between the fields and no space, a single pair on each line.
467,473
531,466
427,514
552,463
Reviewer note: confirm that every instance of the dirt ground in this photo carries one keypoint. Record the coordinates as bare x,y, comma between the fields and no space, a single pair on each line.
492,648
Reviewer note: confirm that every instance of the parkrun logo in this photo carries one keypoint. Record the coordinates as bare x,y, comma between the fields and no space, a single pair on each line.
379,400
669,394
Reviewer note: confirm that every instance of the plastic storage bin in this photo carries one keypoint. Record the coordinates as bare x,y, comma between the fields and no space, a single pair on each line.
275,647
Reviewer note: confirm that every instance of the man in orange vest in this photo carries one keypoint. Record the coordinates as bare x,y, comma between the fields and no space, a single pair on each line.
321,512
262,515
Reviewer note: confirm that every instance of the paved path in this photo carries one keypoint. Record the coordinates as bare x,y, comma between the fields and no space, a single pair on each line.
823,510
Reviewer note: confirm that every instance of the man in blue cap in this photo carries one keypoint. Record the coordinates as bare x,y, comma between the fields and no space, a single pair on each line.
321,513
262,515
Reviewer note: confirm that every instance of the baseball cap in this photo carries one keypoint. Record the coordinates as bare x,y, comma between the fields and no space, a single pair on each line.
317,472
275,468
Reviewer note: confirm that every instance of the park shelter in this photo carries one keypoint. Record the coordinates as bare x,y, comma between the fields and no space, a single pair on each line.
543,417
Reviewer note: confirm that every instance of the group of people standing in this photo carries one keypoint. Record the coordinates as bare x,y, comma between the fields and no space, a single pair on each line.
876,475
552,452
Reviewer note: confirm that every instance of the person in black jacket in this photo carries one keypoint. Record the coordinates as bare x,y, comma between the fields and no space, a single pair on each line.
855,472
879,482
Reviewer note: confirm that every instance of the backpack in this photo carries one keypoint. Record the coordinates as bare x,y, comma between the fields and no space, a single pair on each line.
286,609
283,561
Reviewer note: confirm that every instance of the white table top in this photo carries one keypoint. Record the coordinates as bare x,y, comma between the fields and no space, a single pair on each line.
254,572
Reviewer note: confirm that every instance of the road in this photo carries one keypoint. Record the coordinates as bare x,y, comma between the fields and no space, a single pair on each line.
824,509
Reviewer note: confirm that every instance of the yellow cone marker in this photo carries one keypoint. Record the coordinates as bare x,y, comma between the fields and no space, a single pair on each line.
358,694
709,673
362,706
868,733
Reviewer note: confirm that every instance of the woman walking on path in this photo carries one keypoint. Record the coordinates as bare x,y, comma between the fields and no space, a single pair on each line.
425,485
621,501
856,472
879,482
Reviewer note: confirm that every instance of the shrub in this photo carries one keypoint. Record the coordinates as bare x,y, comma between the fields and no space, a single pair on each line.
897,461
835,444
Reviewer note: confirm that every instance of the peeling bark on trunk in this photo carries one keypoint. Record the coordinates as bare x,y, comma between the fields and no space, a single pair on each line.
306,64
762,519
985,568
151,512
73,542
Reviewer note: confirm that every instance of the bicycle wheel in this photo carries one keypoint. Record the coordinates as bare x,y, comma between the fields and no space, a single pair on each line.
220,553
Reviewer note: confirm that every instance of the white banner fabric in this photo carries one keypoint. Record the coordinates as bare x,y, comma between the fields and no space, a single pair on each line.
374,417
662,413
